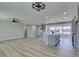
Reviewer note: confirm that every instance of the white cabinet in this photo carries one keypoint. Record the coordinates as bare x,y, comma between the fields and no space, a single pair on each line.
53,39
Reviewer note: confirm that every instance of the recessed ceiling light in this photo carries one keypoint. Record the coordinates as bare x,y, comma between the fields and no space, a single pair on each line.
24,26
13,23
46,17
21,22
65,12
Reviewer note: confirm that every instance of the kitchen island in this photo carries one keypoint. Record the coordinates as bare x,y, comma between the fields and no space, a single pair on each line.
51,39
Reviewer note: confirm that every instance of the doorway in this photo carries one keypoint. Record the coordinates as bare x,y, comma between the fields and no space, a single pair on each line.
25,32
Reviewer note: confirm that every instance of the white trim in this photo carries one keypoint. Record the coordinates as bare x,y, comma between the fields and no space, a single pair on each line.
12,38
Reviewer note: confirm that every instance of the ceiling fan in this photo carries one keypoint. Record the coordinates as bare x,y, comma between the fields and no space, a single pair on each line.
15,20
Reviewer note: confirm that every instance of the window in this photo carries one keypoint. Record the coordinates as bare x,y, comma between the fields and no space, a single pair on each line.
56,30
52,29
59,30
66,29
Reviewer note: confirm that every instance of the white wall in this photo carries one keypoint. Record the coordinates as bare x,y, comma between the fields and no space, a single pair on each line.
8,30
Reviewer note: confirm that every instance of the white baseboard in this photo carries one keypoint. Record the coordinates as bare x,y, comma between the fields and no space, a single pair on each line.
12,38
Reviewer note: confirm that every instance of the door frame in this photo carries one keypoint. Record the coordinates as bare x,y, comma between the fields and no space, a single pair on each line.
25,32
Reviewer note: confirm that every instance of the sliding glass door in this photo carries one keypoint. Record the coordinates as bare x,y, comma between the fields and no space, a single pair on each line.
65,31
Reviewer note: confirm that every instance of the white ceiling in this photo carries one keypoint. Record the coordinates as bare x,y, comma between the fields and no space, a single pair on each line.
53,12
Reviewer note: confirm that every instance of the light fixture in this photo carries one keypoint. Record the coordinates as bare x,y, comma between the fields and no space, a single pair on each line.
46,17
38,6
65,12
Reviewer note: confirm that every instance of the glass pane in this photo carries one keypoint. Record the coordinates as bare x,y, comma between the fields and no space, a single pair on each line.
59,30
67,30
52,29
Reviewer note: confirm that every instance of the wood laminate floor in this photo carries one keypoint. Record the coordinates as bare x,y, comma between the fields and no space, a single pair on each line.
33,47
